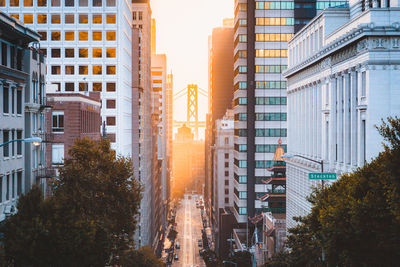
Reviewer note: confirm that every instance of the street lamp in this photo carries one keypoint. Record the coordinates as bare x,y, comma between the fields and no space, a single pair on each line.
230,262
34,140
290,156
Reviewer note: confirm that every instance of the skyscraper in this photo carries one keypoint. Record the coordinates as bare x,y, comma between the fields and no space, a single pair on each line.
88,46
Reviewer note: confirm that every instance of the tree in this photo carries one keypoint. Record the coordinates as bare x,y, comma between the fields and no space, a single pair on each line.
143,257
356,220
89,219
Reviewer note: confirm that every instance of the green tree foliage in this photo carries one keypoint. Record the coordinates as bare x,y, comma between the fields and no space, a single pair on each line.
356,220
89,219
144,257
242,258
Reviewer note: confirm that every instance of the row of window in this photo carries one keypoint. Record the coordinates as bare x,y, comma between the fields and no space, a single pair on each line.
323,5
13,95
262,85
274,21
82,52
260,164
56,3
84,86
270,68
240,211
269,148
68,18
82,36
11,56
273,37
14,148
263,116
271,132
240,194
274,5
262,101
84,70
271,53
13,183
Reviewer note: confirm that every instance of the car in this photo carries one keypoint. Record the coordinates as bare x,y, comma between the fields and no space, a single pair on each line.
200,243
177,246
176,257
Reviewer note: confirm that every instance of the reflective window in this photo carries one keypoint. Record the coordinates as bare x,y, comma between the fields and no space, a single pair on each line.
111,18
55,52
55,2
97,19
83,19
69,36
274,21
274,5
83,52
97,36
14,2
83,70
69,18
270,85
69,52
69,70
2,2
69,87
43,35
69,3
110,2
111,52
41,18
28,18
97,52
97,3
55,70
271,53
111,36
41,2
16,16
110,87
55,19
83,36
97,87
97,69
111,121
111,70
270,68
55,36
83,2
83,87
273,37
28,2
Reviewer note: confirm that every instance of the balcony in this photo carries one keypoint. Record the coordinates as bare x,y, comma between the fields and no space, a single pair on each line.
45,173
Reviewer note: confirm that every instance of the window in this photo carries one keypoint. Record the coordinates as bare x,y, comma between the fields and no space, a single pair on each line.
97,19
6,138
4,54
55,70
111,104
69,36
15,16
242,179
2,3
241,116
57,153
110,2
226,164
57,124
134,14
83,70
41,18
69,70
28,18
69,2
83,52
243,195
273,37
41,2
270,116
83,2
270,85
226,200
69,87
110,87
111,70
8,187
55,36
363,83
140,15
55,52
83,36
226,140
55,2
97,87
111,19
43,36
271,53
28,2
97,3
55,19
227,191
226,174
19,183
83,87
110,36
226,155
69,18
83,19
97,36
270,100
271,132
111,121
111,52
97,69
69,52
13,185
19,101
19,143
6,100
14,2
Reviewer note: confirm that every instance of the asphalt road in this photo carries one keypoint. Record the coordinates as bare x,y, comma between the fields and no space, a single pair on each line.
188,219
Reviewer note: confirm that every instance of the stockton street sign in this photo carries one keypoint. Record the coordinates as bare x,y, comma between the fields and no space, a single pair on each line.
322,176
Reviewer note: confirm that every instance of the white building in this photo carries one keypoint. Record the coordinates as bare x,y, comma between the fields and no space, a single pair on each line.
343,78
88,48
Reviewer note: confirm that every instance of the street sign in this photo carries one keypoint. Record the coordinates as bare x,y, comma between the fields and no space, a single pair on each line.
322,176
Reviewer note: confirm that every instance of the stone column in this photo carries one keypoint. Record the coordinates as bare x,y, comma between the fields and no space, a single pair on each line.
339,129
354,116
347,123
332,121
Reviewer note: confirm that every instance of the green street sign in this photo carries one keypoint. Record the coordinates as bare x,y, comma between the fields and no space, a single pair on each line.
322,176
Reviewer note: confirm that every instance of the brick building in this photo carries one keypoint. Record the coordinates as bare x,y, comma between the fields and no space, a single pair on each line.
73,115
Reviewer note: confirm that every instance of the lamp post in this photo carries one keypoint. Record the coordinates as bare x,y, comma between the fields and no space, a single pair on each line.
34,140
289,156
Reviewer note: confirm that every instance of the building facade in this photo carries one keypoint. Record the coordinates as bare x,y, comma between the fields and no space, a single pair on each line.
22,112
88,48
143,146
343,79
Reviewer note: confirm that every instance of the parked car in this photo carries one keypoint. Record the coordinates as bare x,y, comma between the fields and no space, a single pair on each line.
177,246
200,243
176,257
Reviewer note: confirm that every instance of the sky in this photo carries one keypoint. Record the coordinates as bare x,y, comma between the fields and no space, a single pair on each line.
183,27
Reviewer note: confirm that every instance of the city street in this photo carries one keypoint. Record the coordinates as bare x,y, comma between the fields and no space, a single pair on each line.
189,226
